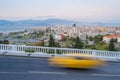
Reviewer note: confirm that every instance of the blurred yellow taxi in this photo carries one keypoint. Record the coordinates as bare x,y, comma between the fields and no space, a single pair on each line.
76,61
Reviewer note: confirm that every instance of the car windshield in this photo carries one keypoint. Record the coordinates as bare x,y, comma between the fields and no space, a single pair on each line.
79,58
84,58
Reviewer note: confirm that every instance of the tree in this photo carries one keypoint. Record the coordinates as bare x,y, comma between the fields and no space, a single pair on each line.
40,43
1,42
71,39
98,38
58,44
111,45
107,35
117,49
102,46
78,43
87,39
5,42
91,38
51,42
115,40
64,38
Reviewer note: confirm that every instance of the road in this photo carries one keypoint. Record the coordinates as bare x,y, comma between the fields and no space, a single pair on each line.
22,68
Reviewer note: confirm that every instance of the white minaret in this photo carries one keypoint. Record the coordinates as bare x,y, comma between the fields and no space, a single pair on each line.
75,31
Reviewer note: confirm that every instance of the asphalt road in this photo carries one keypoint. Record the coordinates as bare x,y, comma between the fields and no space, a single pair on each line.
21,68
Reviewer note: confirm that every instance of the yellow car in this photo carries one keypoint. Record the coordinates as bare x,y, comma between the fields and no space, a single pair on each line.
76,61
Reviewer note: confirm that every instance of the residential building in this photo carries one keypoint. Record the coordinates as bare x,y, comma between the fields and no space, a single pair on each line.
108,38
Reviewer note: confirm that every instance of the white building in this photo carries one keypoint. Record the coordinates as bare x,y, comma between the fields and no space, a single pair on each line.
118,39
57,36
74,32
108,38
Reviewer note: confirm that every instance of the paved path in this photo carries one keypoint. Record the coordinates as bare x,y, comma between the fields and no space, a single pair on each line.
21,68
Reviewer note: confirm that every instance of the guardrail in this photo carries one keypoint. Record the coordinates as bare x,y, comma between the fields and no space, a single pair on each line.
48,51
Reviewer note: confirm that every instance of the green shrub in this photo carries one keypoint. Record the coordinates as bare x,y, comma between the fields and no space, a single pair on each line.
52,51
29,50
58,52
117,49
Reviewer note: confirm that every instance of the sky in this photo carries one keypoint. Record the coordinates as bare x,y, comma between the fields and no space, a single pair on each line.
83,10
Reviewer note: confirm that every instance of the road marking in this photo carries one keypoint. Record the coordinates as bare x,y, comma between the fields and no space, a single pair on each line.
40,72
33,72
12,72
114,75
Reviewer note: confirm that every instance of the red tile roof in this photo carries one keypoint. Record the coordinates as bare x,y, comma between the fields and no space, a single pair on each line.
113,36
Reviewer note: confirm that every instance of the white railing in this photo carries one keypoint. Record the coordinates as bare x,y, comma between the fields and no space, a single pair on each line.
52,50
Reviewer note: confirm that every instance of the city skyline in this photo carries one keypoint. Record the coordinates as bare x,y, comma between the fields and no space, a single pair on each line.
83,10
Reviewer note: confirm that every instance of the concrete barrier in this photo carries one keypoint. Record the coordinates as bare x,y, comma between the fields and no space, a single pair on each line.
19,50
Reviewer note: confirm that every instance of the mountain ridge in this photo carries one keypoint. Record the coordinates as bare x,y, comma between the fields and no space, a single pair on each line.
7,25
10,26
52,21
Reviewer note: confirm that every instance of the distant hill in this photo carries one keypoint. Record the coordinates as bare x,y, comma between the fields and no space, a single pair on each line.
48,22
35,22
6,25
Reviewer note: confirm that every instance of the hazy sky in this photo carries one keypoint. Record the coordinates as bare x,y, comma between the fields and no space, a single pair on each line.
84,10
